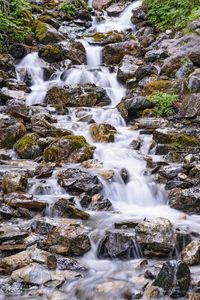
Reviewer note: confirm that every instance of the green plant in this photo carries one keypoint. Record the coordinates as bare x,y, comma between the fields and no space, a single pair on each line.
68,8
163,103
167,14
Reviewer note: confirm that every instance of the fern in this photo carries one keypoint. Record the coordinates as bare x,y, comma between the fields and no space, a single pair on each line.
163,103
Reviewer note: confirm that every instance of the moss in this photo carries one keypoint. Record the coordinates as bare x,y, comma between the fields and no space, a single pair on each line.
26,141
112,37
77,141
165,86
51,153
148,112
40,31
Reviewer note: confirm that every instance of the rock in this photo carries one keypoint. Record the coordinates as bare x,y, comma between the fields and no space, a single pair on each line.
194,81
118,244
131,107
146,70
151,292
186,200
16,261
170,171
75,51
106,174
114,53
24,201
165,86
102,133
156,237
174,279
116,8
99,202
92,163
74,149
190,107
127,68
52,53
10,131
77,181
13,182
194,296
191,253
153,55
124,175
18,51
194,174
36,274
101,4
45,33
68,240
27,147
107,38
44,170
64,209
165,136
87,95
17,108
64,263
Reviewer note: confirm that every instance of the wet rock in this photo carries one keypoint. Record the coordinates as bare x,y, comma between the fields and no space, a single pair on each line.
164,136
173,64
43,225
18,51
13,182
128,67
27,201
107,38
114,53
156,237
27,147
193,296
131,107
170,171
75,51
144,71
64,208
186,200
45,33
174,279
194,174
39,274
74,149
10,131
151,292
136,144
125,175
102,4
64,263
118,244
45,170
92,163
116,8
52,53
191,253
69,240
102,132
77,181
16,261
106,174
87,95
98,202
7,94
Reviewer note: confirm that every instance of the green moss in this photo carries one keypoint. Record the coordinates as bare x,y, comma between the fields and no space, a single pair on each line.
51,153
40,31
112,36
77,141
26,141
177,140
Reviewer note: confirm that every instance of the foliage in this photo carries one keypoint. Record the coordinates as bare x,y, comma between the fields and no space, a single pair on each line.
167,14
14,21
68,8
163,103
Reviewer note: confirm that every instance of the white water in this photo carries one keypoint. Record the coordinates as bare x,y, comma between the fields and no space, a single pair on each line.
138,199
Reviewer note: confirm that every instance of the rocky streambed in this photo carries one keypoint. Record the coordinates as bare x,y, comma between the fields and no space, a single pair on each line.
99,196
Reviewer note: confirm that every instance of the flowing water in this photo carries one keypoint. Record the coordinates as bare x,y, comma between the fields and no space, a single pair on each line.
141,197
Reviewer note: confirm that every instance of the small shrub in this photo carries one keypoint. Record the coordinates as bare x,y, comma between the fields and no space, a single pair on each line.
68,8
163,103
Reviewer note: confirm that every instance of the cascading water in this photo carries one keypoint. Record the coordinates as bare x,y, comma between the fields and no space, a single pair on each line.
140,197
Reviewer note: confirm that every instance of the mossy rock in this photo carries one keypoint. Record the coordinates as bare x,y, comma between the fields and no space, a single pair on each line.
74,149
51,53
165,86
107,38
10,131
175,138
27,147
45,33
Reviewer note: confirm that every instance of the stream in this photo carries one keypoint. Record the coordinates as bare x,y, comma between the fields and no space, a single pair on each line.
140,198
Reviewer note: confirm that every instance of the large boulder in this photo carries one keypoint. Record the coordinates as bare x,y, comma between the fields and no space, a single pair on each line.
87,95
132,107
51,53
10,131
20,200
74,149
45,33
191,253
113,53
77,181
13,182
156,237
102,132
127,68
75,51
165,86
27,147
190,106
167,136
118,244
187,200
174,279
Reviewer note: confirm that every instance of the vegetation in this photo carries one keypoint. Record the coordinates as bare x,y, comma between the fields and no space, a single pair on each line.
68,8
15,20
167,14
163,103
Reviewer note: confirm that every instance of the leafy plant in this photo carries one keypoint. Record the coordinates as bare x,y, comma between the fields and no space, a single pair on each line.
167,14
68,8
163,103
